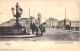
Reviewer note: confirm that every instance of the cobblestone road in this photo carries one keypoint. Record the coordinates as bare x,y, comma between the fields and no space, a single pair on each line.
51,35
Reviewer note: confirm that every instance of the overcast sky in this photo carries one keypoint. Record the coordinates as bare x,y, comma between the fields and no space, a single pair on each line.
47,8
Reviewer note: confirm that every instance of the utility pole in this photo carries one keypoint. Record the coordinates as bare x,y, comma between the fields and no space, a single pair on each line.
65,13
39,18
65,19
30,16
29,12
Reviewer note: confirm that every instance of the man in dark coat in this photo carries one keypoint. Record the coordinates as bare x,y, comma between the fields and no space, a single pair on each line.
37,27
43,29
33,28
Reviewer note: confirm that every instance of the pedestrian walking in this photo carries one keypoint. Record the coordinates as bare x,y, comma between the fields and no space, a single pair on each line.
33,28
37,27
43,29
24,31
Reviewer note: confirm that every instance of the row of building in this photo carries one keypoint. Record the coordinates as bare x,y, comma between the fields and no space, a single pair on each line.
51,22
25,22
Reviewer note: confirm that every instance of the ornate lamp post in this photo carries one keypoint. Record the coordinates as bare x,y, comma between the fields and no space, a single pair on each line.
17,15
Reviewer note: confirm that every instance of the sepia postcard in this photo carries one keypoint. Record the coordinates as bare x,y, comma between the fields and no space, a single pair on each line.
39,25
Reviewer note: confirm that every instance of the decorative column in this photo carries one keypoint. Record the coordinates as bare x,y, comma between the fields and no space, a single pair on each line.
17,15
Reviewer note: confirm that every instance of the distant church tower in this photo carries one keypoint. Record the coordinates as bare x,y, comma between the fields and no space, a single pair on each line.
39,18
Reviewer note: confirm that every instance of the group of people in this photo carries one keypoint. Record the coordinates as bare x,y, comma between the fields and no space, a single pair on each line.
36,28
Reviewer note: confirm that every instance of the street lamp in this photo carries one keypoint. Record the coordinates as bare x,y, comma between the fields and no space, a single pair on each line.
12,10
18,14
20,11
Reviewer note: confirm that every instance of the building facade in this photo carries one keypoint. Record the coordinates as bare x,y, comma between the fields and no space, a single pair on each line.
51,22
75,25
23,21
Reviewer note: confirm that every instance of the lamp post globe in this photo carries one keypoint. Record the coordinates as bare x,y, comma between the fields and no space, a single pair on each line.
12,9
